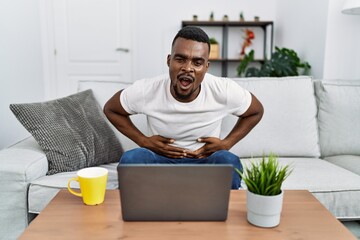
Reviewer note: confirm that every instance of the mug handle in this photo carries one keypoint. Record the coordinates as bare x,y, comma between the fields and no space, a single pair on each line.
69,188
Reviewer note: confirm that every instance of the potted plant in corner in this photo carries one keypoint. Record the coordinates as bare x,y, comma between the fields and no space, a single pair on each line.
263,180
214,49
283,62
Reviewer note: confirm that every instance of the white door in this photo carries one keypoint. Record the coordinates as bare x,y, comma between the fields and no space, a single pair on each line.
89,40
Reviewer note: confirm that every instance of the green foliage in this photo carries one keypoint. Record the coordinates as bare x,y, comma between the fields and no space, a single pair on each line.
213,41
245,61
284,62
265,177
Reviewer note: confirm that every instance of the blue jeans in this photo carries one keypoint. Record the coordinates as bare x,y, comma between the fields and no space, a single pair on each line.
146,156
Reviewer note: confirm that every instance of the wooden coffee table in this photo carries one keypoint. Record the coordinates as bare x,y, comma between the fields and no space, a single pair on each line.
66,217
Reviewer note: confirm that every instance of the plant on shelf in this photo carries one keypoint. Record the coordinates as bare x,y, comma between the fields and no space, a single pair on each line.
248,37
263,181
211,18
283,62
213,41
214,49
242,17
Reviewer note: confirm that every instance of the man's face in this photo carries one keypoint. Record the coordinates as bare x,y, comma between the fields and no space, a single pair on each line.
188,63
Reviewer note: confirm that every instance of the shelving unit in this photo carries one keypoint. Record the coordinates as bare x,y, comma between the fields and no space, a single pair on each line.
266,26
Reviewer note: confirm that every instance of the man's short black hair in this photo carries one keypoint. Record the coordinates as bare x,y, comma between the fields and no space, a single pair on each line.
192,33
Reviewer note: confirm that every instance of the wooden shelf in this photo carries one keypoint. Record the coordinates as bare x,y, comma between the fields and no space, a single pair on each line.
233,60
225,25
228,23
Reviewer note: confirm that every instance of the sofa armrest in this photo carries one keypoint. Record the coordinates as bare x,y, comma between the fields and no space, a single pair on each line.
19,165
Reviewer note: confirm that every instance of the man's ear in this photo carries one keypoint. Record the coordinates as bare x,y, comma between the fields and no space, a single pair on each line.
168,60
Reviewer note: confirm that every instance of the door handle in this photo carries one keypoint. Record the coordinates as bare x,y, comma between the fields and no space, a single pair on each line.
122,50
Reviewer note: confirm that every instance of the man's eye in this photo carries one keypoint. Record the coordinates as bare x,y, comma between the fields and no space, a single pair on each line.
198,63
179,60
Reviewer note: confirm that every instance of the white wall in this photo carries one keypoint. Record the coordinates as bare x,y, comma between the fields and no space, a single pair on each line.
301,26
20,63
322,35
342,52
156,23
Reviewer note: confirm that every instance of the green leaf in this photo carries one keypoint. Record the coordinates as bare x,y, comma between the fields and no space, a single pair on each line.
245,62
265,177
283,62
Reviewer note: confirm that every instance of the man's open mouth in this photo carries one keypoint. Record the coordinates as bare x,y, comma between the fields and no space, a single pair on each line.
185,81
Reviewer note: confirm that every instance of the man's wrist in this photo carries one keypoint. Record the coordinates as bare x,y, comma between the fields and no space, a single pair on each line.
142,141
227,144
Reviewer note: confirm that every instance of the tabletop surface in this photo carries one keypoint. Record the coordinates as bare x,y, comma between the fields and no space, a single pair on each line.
66,217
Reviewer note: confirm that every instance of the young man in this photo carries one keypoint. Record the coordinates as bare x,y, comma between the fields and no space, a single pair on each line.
184,109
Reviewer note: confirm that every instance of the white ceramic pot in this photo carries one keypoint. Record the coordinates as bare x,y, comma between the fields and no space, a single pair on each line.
264,211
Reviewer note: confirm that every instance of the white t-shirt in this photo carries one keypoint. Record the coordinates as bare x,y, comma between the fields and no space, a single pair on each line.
185,122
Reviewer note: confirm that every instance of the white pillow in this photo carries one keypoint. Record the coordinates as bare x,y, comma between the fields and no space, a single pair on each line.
288,127
339,114
103,90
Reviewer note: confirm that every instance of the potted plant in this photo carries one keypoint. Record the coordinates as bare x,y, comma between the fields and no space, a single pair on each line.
214,49
211,18
263,180
242,17
283,62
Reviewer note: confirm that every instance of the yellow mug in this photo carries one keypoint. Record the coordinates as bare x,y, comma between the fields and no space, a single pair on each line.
92,182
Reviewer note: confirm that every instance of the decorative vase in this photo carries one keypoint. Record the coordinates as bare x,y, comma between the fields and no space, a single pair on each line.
264,211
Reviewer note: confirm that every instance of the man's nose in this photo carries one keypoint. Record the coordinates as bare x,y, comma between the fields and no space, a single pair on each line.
188,67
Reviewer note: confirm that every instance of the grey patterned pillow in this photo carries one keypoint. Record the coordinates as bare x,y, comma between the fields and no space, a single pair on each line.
72,131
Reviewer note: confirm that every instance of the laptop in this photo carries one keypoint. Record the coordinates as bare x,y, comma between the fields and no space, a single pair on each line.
174,192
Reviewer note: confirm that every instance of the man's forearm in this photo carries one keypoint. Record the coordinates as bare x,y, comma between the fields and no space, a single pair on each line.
121,120
125,126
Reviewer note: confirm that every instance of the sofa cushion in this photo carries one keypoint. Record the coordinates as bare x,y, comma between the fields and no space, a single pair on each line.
17,168
339,114
349,162
289,119
103,91
72,131
335,187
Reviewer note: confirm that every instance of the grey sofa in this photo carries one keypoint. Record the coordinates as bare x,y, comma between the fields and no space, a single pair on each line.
311,124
